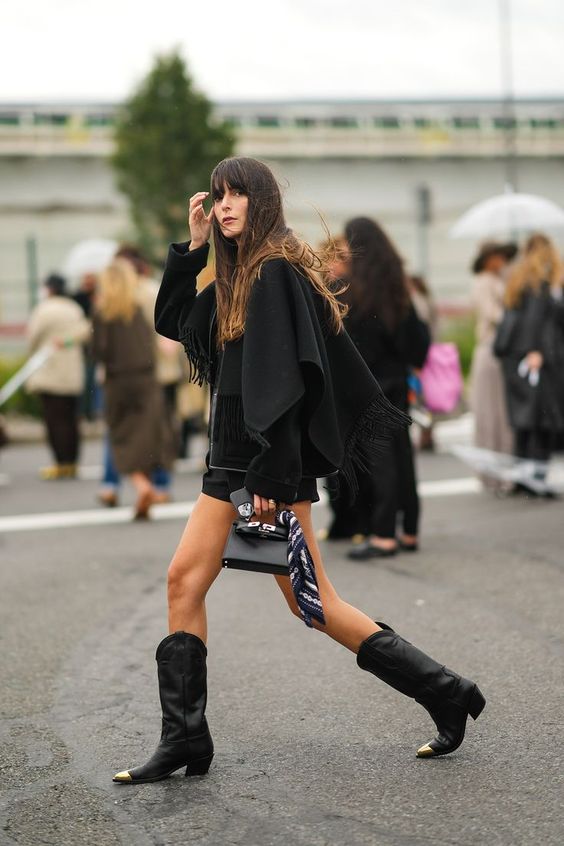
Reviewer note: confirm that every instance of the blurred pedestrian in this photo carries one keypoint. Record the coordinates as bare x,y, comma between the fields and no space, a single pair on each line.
492,430
192,407
351,514
124,343
169,355
90,400
384,325
292,401
59,323
530,343
427,311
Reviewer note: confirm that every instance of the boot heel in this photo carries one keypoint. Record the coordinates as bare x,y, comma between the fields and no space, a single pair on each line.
198,767
476,704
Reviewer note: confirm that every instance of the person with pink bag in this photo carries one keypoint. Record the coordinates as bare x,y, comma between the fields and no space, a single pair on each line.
391,338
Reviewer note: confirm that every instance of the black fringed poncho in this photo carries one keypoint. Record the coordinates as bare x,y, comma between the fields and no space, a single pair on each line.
293,399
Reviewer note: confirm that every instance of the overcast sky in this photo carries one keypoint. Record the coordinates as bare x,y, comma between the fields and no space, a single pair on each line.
253,49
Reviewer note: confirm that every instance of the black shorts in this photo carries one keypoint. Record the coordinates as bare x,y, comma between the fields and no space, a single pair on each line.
220,483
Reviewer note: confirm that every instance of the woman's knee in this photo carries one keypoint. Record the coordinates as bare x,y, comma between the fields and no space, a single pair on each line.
185,579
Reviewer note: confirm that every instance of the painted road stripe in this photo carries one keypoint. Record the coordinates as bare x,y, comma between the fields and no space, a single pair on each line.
181,510
89,517
450,487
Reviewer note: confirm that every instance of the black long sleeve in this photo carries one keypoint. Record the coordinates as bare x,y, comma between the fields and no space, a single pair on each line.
417,339
177,293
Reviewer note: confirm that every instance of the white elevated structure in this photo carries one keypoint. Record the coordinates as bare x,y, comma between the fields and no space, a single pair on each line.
385,159
278,129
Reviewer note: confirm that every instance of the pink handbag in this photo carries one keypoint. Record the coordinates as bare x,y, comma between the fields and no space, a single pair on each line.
441,378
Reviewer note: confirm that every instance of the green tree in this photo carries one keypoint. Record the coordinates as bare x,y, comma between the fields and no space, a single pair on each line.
167,144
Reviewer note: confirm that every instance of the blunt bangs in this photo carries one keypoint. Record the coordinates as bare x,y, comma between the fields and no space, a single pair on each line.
229,172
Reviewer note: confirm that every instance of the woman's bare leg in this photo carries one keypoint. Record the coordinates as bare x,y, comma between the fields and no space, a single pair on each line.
196,564
343,622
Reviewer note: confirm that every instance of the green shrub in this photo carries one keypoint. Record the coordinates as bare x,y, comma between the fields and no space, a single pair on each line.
21,402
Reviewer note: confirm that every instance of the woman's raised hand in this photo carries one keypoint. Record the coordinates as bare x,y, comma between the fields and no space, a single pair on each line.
199,223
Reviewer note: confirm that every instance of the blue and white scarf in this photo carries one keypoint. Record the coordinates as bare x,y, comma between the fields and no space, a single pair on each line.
302,571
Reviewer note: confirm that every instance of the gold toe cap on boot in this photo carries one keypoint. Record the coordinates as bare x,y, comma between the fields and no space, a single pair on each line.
123,777
425,751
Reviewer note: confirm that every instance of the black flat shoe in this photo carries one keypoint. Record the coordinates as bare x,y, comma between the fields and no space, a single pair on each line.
408,547
365,551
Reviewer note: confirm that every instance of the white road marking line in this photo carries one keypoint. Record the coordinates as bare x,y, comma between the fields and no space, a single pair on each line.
89,517
450,487
176,510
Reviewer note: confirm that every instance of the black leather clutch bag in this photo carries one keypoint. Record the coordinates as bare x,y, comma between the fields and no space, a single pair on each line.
255,546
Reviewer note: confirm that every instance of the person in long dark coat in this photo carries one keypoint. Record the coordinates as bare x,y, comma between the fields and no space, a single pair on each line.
124,343
386,330
530,343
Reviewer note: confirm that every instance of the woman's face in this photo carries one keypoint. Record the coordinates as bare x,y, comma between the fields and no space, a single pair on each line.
339,267
230,209
495,263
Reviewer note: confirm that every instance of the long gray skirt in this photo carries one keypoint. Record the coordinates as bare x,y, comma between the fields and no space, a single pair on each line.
488,403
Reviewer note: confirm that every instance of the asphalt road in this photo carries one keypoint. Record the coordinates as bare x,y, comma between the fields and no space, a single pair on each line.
309,749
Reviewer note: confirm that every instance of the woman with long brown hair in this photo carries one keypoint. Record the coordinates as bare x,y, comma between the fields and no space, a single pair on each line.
386,330
291,401
530,343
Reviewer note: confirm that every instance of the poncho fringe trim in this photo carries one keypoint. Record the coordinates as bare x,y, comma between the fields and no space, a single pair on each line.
199,362
231,426
369,438
231,419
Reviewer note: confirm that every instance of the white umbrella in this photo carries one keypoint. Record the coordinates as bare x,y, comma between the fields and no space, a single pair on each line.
89,256
507,214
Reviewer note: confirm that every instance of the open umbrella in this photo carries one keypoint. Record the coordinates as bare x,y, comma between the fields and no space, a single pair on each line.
507,214
89,256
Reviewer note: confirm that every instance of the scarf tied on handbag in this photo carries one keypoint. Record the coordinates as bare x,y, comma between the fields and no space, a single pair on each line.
302,571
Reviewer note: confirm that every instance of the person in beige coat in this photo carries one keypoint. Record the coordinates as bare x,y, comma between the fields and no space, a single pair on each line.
492,430
59,323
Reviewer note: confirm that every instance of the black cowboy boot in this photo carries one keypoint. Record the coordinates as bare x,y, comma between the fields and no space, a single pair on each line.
447,697
185,737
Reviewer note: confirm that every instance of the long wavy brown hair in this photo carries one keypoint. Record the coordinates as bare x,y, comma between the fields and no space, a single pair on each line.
265,236
377,279
540,263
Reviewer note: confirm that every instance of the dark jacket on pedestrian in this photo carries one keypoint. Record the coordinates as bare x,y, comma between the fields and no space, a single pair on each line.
390,353
290,399
537,324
